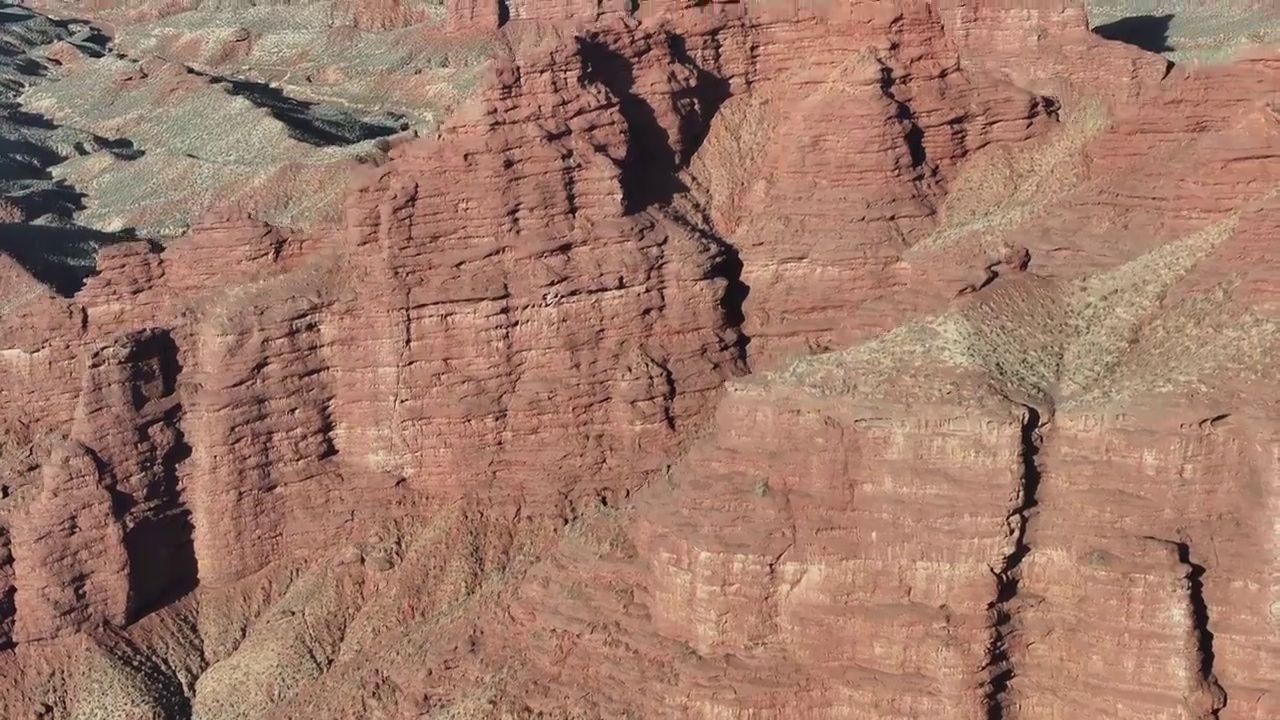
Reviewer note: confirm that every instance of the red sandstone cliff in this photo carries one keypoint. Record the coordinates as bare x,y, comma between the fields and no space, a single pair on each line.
470,453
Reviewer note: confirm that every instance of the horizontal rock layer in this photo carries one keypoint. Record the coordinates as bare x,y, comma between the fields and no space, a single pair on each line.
468,452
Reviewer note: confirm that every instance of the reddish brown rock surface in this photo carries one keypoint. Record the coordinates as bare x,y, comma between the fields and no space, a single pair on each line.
487,446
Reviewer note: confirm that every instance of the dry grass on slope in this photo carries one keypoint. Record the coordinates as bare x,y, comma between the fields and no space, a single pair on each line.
1191,31
1004,187
1104,337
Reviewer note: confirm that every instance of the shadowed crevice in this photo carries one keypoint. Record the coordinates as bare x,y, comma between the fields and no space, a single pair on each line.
1004,622
1204,637
160,542
733,302
8,590
1199,615
649,168
650,171
654,160
913,134
710,91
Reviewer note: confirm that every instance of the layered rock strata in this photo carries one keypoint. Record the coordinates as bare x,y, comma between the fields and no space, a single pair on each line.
468,453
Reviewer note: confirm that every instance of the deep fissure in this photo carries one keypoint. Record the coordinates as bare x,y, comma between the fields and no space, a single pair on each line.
1200,623
1004,623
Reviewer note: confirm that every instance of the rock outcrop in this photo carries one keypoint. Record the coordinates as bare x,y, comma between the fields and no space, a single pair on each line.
1006,451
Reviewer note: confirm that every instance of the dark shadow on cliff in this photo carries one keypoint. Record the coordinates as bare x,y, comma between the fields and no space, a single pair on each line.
1199,608
711,91
162,558
733,303
312,123
654,160
60,256
650,167
913,134
1149,32
650,173
160,543
1009,575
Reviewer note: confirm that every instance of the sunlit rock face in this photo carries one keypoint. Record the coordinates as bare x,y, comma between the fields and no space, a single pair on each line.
869,361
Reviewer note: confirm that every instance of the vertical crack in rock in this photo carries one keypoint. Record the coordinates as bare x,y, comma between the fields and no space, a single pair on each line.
728,266
8,590
1209,698
779,589
709,91
1217,696
913,134
1004,623
733,302
667,391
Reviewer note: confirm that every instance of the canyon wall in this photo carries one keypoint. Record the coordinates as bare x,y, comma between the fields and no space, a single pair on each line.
385,358
1005,452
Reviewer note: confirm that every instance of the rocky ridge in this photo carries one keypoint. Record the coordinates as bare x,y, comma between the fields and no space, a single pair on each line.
466,454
